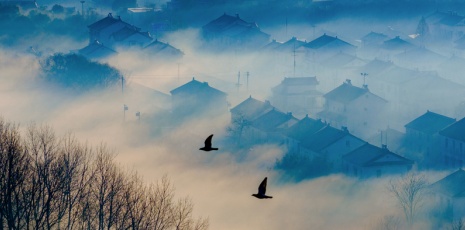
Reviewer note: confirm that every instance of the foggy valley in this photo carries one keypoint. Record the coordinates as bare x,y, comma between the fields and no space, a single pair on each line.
354,111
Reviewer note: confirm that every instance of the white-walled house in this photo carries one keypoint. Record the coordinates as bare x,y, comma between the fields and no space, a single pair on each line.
452,144
372,161
331,144
250,109
449,196
354,107
422,138
298,95
270,127
197,97
296,133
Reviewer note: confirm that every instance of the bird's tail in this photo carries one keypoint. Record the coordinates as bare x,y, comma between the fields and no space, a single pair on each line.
214,148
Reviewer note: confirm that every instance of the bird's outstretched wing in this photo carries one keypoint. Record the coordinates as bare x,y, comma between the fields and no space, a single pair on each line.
208,141
262,187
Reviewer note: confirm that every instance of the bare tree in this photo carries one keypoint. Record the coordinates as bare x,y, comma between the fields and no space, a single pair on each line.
238,125
410,192
458,224
59,183
14,170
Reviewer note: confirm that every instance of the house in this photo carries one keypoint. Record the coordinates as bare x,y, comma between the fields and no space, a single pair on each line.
449,196
296,133
330,144
452,144
290,46
96,50
445,26
339,66
390,137
298,95
354,107
269,127
394,46
270,47
113,32
233,32
195,97
370,161
130,36
326,46
422,138
250,109
419,58
163,50
373,40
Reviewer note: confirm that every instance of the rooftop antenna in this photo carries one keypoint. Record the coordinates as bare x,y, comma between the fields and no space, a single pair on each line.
238,80
364,77
247,81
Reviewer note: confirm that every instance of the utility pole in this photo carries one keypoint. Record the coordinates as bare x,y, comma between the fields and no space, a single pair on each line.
122,84
294,54
364,78
125,108
238,80
247,81
82,11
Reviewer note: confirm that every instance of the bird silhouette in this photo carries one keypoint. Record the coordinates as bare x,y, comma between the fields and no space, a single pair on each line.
262,191
208,144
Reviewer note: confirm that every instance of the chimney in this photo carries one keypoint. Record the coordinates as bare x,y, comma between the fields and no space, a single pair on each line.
344,128
365,86
384,147
348,81
110,15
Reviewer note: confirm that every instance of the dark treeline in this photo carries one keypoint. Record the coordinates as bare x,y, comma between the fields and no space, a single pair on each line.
74,71
50,182
18,27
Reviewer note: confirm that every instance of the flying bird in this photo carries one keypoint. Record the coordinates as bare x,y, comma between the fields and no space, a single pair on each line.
262,191
208,144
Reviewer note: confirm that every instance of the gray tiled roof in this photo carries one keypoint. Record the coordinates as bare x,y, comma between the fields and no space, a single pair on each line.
367,155
452,185
455,130
430,123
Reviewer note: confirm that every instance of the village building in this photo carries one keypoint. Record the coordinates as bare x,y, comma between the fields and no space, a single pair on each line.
354,107
326,46
329,144
371,161
270,126
232,32
452,144
298,95
96,50
250,109
114,32
422,138
295,134
163,50
197,98
449,196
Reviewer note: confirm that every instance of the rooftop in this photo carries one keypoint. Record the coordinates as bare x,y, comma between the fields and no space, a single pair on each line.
455,130
452,185
369,155
430,123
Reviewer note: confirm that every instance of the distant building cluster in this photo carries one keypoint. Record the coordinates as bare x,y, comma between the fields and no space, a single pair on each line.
109,34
